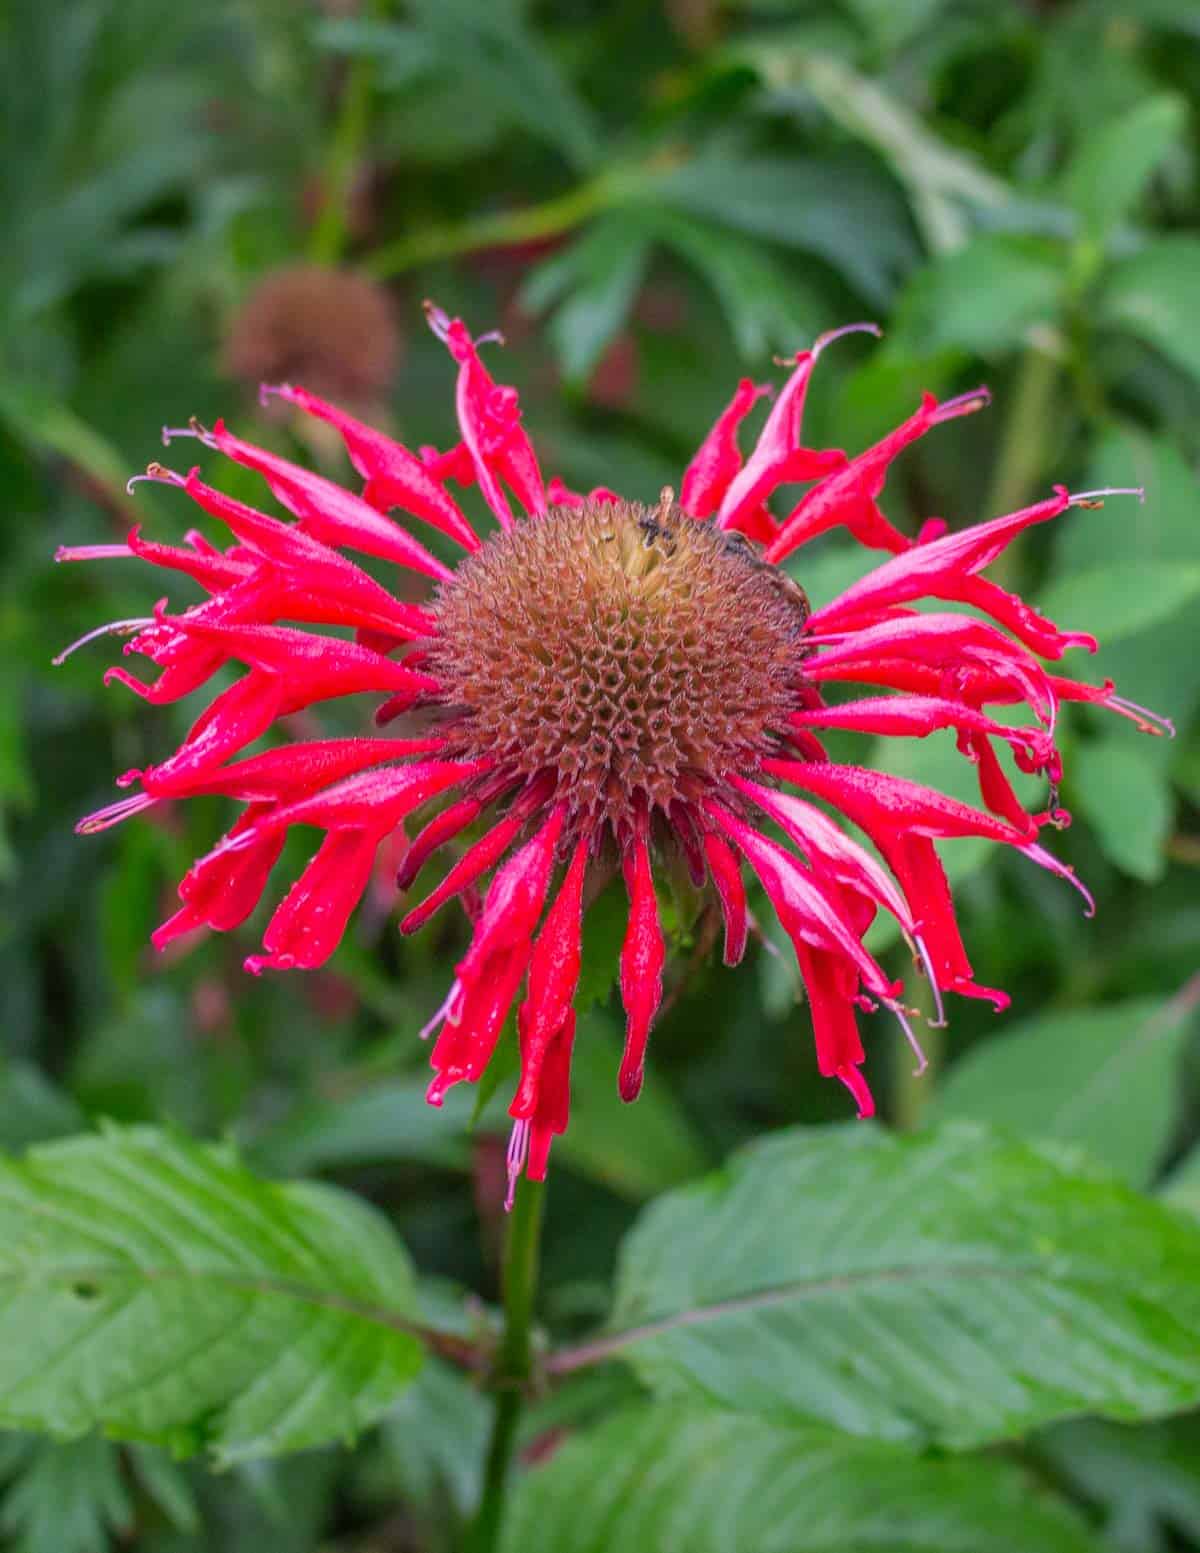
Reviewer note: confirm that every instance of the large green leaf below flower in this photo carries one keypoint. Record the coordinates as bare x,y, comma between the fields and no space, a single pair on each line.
697,1479
157,1290
956,1285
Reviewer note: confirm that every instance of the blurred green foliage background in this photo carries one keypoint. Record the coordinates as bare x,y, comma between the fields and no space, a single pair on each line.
650,201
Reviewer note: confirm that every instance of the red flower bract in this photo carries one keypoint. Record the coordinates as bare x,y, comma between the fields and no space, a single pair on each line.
600,683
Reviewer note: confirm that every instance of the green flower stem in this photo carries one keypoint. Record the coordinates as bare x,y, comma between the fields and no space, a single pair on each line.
913,1091
504,229
514,1357
1023,447
327,240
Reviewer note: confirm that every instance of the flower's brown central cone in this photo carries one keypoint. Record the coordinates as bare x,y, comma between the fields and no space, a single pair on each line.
635,653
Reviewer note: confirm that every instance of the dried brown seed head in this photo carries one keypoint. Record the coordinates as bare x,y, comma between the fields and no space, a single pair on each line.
630,650
333,332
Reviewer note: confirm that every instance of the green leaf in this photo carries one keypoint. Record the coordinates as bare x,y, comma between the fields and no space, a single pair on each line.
389,1121
940,178
766,307
600,276
604,925
1117,159
432,1445
983,297
821,205
32,1107
1157,665
1120,598
1153,295
709,1481
1127,801
950,1285
502,64
157,1290
1105,1079
65,1498
1146,1478
1182,1186
636,1150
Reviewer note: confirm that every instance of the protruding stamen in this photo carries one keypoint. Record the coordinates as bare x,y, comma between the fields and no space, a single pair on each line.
518,1152
963,404
158,473
92,552
909,1035
269,391
446,1012
437,319
194,428
1048,861
822,340
104,819
1096,498
113,628
1147,721
931,976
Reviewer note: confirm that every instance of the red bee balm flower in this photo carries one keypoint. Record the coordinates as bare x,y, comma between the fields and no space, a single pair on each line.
601,683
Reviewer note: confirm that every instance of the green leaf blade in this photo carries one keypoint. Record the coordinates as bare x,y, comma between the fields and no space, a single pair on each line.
160,1292
1102,1079
709,1481
954,1285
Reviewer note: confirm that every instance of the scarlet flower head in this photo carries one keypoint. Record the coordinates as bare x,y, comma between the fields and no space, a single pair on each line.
596,685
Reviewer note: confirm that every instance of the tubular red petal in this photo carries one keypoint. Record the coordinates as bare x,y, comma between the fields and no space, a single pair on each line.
310,667
468,1038
914,861
643,954
807,913
514,900
309,570
718,458
850,496
731,892
553,978
553,1109
778,457
477,859
237,717
394,476
1025,623
1105,695
885,805
490,422
290,770
917,716
950,643
935,570
374,801
221,890
827,844
333,514
310,922
212,569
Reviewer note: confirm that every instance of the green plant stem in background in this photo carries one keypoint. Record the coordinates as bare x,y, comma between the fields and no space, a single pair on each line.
912,1091
505,229
1022,455
514,1356
327,240
1024,448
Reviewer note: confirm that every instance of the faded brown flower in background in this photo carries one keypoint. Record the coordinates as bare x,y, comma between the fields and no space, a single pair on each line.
326,327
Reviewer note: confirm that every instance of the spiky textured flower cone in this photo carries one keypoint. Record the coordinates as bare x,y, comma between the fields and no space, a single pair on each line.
599,684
